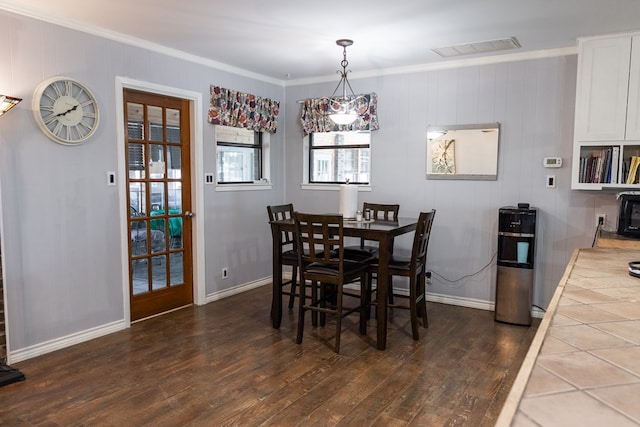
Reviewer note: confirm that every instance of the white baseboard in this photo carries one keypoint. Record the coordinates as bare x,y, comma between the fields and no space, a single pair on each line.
218,295
63,342
462,301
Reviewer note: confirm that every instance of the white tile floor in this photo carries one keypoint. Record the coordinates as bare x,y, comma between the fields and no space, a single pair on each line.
587,372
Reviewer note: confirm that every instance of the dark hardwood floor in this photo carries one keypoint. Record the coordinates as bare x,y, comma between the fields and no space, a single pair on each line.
224,365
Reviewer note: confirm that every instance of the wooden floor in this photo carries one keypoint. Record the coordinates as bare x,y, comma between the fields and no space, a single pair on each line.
224,365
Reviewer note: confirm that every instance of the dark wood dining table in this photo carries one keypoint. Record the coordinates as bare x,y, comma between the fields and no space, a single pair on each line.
381,231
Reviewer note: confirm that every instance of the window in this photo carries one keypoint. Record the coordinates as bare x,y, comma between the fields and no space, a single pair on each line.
335,157
239,155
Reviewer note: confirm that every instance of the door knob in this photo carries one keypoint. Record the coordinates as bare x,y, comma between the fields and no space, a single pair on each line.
189,214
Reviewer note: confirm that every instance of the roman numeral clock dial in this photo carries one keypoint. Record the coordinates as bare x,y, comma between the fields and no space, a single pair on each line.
65,110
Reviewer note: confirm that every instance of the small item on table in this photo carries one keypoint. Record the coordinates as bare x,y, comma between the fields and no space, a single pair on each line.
359,216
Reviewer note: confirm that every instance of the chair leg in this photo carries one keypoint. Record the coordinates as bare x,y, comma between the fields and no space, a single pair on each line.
413,307
369,291
301,310
338,316
294,277
323,303
314,303
364,302
423,301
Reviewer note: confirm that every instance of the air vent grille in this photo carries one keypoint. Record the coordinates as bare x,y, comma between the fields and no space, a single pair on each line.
477,47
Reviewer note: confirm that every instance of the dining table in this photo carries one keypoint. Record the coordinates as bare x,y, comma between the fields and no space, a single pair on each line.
381,231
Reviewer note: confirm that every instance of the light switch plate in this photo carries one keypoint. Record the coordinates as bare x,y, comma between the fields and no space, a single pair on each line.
551,181
111,178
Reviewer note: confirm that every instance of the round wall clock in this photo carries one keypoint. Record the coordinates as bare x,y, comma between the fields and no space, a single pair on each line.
65,110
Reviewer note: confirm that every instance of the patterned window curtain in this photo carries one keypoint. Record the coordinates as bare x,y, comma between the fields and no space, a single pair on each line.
243,110
315,116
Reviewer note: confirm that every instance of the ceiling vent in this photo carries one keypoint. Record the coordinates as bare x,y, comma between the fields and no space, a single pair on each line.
477,47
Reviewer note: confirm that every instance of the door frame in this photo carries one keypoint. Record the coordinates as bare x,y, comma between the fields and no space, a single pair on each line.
197,178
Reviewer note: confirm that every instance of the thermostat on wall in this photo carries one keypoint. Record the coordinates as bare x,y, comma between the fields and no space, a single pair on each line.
552,162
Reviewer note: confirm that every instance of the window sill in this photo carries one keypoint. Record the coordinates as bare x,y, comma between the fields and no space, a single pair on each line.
331,187
244,187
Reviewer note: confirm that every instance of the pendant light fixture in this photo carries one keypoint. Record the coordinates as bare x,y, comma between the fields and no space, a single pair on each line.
343,105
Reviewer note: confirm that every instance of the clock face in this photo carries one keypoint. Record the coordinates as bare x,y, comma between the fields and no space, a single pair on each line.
65,110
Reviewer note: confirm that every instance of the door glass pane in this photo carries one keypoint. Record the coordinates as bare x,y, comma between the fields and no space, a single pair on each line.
175,197
136,161
137,199
159,271
156,161
135,121
140,276
174,162
173,125
155,123
157,233
175,228
176,233
138,238
157,198
175,269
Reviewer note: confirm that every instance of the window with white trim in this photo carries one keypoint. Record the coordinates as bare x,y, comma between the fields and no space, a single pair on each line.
241,156
335,157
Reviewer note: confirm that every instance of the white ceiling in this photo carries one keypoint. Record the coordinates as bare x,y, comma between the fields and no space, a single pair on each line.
292,40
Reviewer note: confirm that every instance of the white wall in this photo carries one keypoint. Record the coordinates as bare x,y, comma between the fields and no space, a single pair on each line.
61,221
534,102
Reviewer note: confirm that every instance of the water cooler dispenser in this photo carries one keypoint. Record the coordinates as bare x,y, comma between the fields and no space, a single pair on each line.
516,251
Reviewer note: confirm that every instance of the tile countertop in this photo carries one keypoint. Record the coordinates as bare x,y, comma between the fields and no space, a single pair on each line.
583,366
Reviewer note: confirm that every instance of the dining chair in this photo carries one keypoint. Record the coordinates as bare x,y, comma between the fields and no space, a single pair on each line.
320,240
379,212
288,249
368,250
413,267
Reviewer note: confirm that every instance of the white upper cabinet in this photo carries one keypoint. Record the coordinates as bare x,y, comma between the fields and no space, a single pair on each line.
603,85
607,125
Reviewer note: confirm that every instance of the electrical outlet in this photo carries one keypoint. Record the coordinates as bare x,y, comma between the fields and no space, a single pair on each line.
225,273
601,219
428,277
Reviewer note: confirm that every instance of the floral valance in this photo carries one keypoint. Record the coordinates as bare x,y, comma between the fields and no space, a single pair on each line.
243,110
315,115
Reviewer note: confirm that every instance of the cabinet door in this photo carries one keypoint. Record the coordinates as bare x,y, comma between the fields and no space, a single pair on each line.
603,82
633,110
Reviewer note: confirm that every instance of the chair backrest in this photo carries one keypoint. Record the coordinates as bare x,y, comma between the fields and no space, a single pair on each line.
320,239
382,212
282,212
421,238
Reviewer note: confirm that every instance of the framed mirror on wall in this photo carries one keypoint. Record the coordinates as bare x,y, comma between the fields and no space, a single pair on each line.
464,152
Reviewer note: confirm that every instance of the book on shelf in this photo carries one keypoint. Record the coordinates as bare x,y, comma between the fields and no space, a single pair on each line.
600,166
615,159
633,170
